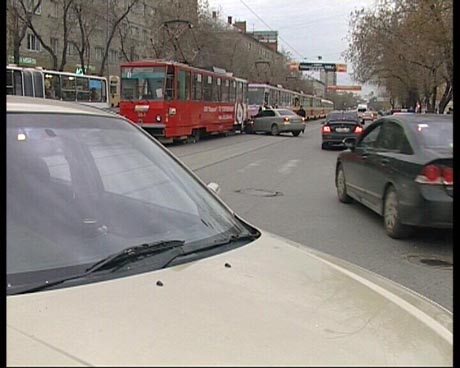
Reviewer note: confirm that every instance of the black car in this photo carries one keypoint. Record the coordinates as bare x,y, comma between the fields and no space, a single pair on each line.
338,126
401,168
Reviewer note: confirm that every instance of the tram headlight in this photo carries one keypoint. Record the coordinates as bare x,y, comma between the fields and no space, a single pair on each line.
158,118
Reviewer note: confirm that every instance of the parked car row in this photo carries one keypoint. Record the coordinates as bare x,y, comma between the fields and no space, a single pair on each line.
119,255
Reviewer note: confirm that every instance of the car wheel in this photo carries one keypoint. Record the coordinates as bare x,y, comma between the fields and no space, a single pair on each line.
341,185
275,130
391,220
296,133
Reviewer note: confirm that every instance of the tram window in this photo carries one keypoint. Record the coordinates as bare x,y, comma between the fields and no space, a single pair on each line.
216,90
18,83
68,88
225,87
245,92
197,87
183,85
207,88
169,93
233,91
38,84
28,84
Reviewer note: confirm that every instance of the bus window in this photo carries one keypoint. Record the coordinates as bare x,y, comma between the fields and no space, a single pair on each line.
52,86
197,87
97,90
28,84
38,84
68,88
9,82
83,89
18,84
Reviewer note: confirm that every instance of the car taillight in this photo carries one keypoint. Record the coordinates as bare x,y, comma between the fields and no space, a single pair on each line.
286,120
326,129
358,129
436,174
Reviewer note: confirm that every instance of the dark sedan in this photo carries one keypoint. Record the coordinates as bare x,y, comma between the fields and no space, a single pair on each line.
276,121
338,126
401,168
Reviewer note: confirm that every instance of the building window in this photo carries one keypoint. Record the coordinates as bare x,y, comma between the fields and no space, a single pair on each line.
30,5
71,49
54,44
54,9
113,56
98,53
33,44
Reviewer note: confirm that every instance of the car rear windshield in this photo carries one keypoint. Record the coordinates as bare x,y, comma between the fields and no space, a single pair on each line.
348,116
286,112
434,134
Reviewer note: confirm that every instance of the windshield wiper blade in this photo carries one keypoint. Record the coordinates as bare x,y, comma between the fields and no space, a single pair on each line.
134,252
198,247
114,261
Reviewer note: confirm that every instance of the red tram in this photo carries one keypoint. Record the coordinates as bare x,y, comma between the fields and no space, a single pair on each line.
174,101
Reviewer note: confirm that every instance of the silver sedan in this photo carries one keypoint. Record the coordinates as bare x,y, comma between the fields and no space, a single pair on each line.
276,121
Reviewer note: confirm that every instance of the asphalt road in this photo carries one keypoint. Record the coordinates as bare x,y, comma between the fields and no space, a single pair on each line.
285,185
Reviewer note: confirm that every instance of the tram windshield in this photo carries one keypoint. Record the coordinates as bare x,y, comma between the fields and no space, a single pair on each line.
256,96
143,83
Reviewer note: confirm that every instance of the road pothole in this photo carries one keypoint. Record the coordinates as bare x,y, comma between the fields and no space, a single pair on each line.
259,192
431,261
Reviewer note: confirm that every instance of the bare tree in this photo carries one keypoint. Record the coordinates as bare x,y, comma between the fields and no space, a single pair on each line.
87,20
407,47
19,16
28,20
116,12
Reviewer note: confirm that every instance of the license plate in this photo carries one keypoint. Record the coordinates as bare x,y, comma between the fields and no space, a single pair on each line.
342,130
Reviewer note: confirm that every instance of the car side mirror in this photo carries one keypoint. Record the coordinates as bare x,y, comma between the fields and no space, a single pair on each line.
214,187
350,143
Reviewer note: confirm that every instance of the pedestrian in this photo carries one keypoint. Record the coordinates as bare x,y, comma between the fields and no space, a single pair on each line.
301,112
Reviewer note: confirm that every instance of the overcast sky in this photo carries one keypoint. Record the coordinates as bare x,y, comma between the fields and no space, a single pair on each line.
306,28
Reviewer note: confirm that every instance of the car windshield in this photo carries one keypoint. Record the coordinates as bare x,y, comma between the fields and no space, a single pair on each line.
286,113
80,188
434,134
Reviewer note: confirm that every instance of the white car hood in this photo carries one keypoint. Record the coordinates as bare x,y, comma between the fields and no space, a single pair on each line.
271,302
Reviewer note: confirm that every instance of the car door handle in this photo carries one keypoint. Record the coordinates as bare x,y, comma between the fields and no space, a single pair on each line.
385,161
364,156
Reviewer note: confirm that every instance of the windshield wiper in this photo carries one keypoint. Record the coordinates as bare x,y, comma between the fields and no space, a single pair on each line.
117,260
